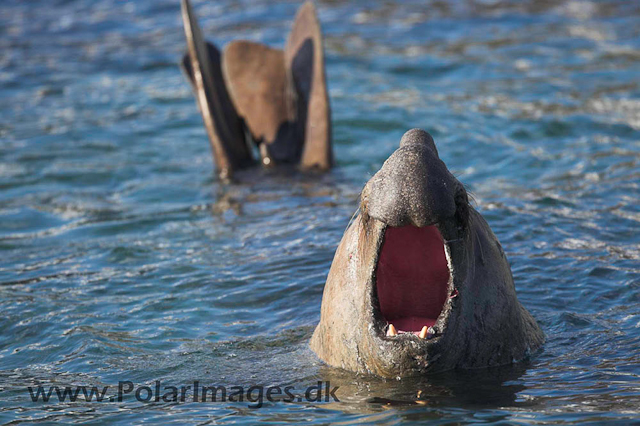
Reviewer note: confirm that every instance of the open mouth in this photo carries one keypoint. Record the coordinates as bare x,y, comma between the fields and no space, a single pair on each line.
412,279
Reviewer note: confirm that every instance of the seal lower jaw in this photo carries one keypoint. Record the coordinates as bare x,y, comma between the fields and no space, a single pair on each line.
412,285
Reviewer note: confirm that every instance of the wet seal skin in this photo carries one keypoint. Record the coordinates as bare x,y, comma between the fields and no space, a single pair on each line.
254,95
419,283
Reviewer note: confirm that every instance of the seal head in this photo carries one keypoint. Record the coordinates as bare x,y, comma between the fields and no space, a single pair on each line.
419,282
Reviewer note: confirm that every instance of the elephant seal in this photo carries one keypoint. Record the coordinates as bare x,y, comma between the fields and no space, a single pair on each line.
252,94
419,282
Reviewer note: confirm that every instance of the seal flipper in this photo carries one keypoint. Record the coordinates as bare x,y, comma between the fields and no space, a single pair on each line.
186,67
304,62
224,127
257,83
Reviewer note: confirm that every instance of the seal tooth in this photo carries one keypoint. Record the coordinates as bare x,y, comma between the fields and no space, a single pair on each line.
391,331
423,332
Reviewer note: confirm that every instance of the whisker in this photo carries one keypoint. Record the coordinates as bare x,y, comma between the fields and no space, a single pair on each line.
352,217
453,241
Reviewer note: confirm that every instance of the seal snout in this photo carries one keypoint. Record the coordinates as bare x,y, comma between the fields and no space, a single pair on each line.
413,187
418,137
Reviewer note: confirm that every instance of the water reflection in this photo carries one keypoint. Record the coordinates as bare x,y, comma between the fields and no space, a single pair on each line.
482,389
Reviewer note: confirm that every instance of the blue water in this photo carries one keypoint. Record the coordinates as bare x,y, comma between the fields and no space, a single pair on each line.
123,258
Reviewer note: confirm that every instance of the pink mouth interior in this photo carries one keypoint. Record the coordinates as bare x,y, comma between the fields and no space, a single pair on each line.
411,277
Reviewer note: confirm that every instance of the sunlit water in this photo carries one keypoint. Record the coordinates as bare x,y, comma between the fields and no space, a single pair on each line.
123,258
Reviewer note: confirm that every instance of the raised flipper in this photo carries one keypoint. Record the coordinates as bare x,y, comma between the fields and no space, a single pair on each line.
257,83
223,125
304,62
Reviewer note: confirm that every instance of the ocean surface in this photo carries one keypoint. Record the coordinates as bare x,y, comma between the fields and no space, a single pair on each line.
124,259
